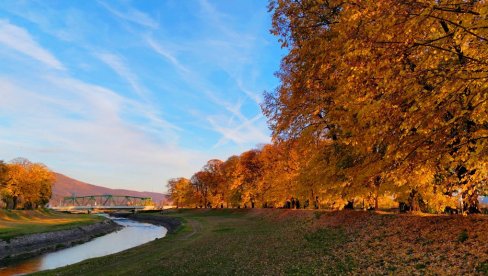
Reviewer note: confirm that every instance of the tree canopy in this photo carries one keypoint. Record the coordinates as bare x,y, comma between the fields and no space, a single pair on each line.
24,184
377,99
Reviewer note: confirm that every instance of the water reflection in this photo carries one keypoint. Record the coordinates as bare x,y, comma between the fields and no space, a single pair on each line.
133,234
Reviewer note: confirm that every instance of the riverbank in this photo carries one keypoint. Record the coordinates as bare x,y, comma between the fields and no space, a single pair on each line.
277,242
15,223
29,233
170,223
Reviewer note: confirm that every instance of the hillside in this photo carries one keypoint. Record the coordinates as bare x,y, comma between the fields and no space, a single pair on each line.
66,186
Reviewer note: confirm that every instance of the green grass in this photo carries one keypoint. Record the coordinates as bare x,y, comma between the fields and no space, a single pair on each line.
14,223
299,242
221,242
463,236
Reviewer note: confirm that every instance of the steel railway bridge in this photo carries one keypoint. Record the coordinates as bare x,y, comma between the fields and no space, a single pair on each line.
104,203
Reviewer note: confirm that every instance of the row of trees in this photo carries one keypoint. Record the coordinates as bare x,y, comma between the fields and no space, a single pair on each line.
378,99
25,185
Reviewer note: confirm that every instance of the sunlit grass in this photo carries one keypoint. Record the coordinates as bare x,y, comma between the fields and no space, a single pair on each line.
21,222
302,242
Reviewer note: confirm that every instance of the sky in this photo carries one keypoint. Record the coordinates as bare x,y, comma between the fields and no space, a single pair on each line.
130,94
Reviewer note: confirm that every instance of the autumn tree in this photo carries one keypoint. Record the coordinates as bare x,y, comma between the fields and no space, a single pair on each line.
280,164
252,176
28,185
3,180
215,182
181,191
404,83
231,175
208,182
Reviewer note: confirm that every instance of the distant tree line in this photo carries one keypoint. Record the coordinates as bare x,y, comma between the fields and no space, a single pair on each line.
25,185
377,100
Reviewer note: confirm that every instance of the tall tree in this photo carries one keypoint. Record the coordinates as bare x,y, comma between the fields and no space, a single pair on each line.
181,191
403,82
29,185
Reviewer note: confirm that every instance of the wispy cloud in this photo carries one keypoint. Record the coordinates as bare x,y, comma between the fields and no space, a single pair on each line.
149,91
132,15
89,125
243,133
118,65
161,50
20,40
220,21
236,48
251,94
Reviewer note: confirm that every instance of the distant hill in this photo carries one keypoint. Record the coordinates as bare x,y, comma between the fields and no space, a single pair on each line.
66,186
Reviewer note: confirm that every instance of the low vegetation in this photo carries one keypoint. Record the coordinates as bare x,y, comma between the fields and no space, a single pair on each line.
300,242
15,223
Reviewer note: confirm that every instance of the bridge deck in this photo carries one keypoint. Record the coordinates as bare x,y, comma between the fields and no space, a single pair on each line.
100,207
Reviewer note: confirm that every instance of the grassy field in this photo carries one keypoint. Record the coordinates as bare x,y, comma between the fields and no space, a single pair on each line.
301,242
15,223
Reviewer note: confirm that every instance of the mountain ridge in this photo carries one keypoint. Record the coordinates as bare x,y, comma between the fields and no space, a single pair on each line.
66,186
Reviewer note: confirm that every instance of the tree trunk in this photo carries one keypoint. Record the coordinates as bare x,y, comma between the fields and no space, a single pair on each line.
471,203
15,202
349,205
377,183
416,202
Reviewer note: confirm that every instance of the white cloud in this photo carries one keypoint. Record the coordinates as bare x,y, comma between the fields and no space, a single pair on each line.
158,48
236,49
244,133
200,81
118,65
255,97
84,124
132,15
20,40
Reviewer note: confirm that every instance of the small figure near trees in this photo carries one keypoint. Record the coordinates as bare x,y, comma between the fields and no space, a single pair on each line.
287,204
349,205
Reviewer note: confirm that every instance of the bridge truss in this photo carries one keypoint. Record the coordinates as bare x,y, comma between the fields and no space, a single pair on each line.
106,200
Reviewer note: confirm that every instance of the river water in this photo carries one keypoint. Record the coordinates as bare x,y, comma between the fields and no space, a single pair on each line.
133,234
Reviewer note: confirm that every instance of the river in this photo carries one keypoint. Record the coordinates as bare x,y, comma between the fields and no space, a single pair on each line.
133,234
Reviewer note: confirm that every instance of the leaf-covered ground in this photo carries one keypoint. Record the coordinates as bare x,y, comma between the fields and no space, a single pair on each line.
304,242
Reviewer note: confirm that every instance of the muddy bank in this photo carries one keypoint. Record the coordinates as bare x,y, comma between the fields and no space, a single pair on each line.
171,224
35,244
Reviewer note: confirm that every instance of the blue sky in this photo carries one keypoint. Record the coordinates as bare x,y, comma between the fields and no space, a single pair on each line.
129,94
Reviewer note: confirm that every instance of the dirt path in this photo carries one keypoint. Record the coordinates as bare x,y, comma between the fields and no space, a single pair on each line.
196,227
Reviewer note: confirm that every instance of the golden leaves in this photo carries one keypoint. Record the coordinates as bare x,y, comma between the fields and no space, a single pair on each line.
28,185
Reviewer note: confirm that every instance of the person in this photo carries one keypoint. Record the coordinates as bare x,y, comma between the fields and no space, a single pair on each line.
293,203
297,203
